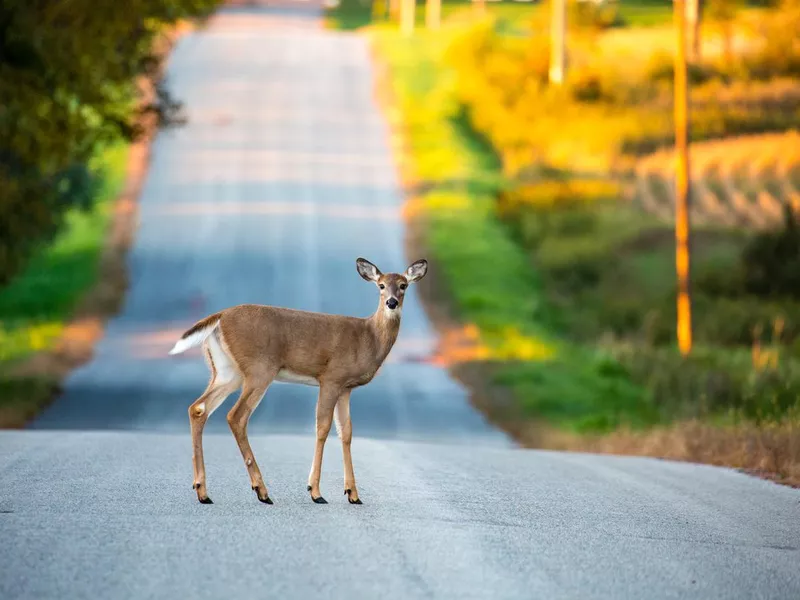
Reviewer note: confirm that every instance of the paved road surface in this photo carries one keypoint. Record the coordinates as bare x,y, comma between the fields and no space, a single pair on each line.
112,515
281,179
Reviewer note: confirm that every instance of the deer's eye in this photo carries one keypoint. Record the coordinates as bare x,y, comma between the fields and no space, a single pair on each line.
403,286
381,286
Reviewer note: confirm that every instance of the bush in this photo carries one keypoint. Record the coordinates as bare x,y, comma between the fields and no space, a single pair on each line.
610,270
67,84
609,113
711,383
771,261
601,14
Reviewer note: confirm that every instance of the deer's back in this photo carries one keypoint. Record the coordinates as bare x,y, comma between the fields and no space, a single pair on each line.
306,346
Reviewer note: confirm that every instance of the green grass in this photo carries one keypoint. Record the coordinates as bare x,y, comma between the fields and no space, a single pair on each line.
574,305
350,15
601,272
487,272
645,13
36,304
355,14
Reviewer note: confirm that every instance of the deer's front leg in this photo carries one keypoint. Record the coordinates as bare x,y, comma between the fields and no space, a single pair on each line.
325,405
345,428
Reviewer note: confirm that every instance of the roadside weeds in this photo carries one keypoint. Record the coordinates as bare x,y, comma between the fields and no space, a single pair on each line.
33,383
770,451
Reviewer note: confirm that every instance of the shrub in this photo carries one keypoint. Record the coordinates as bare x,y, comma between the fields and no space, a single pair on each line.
608,113
714,383
601,14
68,75
771,261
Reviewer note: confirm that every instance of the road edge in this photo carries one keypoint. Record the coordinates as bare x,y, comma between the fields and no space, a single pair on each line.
495,402
105,297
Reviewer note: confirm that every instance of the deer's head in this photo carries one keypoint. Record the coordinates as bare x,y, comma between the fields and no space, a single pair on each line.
392,286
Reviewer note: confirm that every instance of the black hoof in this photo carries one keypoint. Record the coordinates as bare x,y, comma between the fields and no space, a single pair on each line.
206,500
356,501
265,500
319,500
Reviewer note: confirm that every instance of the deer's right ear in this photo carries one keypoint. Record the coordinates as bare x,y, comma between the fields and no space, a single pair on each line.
367,270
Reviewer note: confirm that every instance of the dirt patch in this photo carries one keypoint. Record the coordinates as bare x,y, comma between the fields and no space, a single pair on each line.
768,451
104,299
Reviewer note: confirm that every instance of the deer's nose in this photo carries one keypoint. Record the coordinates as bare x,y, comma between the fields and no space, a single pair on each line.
392,303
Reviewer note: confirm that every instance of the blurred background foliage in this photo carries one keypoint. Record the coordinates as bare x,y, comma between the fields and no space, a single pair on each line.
570,191
68,87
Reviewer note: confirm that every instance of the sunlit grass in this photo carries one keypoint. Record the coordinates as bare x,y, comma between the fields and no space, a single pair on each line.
36,305
487,273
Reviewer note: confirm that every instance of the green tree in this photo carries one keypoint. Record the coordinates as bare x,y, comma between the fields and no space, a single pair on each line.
68,71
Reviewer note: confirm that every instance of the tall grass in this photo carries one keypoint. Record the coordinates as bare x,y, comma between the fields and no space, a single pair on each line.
37,304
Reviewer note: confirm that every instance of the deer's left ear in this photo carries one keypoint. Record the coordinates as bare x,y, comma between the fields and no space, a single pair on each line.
417,270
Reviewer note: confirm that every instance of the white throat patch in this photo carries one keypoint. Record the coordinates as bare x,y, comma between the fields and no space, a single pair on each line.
391,314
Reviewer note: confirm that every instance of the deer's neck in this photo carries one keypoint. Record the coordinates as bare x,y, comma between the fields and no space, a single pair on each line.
385,325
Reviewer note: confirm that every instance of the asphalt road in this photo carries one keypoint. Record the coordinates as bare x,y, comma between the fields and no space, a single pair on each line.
112,515
282,177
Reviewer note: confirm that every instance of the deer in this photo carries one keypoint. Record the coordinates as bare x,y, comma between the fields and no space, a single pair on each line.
249,346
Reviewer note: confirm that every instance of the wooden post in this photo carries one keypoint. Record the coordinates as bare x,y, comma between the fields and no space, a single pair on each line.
682,184
407,16
558,52
433,14
694,18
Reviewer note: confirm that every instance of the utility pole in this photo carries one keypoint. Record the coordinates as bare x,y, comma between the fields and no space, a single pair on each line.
682,183
407,16
694,17
558,35
433,13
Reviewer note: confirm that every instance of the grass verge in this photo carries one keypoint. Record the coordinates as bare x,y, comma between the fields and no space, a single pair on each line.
35,308
486,272
530,373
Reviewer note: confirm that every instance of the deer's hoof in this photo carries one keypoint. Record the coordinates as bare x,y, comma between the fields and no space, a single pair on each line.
201,495
318,500
349,493
262,497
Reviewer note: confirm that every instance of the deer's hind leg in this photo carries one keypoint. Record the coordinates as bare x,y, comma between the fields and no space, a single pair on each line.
253,390
223,382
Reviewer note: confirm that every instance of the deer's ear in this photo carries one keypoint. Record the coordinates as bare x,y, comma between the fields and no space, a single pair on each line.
417,270
367,270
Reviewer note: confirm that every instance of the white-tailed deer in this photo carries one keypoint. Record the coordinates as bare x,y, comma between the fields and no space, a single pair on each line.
250,346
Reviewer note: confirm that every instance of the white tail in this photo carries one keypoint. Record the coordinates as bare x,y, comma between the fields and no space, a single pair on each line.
196,335
250,346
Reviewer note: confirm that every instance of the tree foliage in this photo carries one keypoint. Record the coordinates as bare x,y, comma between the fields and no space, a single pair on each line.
68,71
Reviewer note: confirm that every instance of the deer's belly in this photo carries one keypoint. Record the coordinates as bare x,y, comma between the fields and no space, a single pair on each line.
287,376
